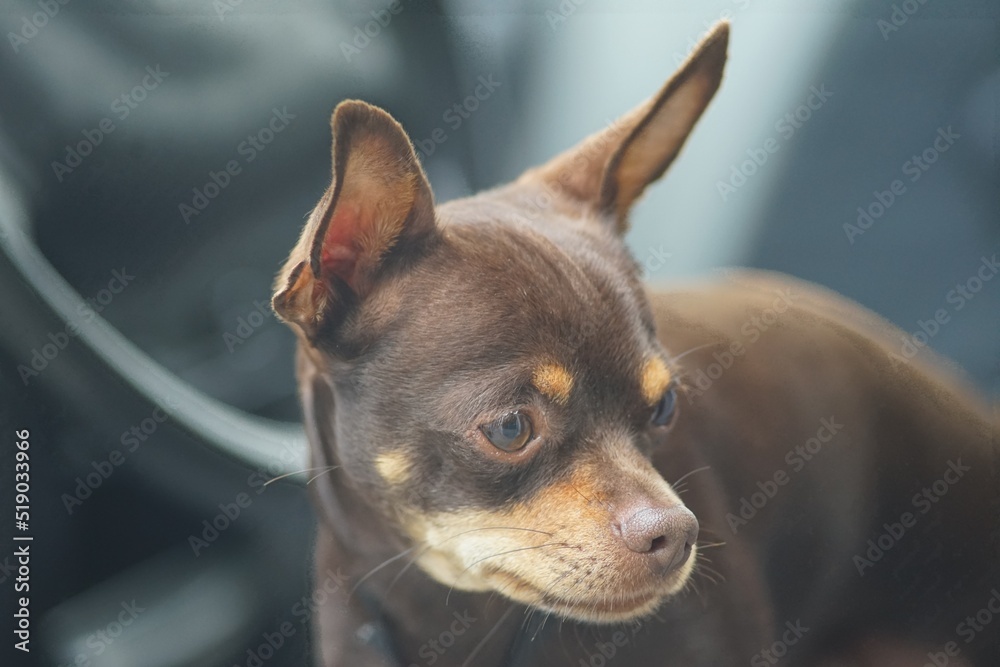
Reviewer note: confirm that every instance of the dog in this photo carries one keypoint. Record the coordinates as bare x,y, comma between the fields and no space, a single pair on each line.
528,463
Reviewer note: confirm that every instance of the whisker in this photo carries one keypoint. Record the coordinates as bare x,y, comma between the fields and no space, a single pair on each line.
428,547
318,475
683,477
529,613
489,634
497,595
563,545
509,551
325,470
476,530
705,569
379,567
709,546
705,575
692,583
693,349
399,575
541,626
710,531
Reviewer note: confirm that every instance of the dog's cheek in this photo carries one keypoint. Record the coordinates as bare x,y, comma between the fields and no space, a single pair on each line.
407,479
394,467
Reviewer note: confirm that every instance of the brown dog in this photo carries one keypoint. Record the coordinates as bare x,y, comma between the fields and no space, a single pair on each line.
512,418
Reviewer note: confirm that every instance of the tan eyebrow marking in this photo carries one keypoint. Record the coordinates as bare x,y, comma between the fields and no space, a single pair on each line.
654,380
394,466
554,381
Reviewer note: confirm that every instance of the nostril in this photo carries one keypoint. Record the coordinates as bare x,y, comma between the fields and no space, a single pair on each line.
658,543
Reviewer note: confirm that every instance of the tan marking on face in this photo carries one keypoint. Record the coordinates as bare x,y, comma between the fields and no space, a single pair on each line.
556,551
654,380
393,467
554,381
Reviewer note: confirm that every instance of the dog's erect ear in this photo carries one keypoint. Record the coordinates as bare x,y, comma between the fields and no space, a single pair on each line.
609,170
379,200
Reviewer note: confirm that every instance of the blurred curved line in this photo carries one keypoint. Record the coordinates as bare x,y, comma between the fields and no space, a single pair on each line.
254,440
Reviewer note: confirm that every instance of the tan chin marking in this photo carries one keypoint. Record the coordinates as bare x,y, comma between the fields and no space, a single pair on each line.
555,551
654,380
611,609
554,381
393,467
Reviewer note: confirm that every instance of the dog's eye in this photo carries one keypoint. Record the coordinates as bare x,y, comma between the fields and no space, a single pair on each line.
665,409
509,433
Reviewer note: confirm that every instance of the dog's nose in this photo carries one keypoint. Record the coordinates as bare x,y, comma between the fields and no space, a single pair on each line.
666,534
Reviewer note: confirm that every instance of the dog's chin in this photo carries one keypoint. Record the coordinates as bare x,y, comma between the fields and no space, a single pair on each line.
610,609
617,607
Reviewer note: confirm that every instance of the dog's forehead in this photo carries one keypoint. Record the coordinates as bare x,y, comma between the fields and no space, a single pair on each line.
541,281
503,302
551,259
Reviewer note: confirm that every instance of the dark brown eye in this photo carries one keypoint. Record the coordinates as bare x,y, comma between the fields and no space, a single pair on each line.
509,433
665,409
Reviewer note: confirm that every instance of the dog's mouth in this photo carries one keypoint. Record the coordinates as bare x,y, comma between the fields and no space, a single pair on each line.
603,607
619,593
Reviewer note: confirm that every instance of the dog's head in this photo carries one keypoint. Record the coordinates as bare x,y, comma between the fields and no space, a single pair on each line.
497,383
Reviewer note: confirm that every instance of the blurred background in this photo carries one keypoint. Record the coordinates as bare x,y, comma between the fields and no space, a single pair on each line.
157,161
